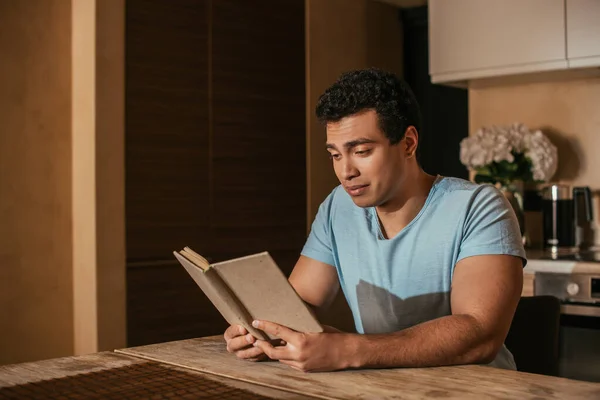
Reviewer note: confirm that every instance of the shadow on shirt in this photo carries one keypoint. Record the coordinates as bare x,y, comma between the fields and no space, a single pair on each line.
384,312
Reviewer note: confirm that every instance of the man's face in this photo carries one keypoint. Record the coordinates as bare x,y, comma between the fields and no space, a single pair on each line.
366,164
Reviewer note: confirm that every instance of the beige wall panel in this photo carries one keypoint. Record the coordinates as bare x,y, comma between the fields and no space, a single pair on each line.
84,176
36,310
110,173
98,175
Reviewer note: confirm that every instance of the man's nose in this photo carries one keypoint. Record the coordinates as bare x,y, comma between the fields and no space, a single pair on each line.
348,170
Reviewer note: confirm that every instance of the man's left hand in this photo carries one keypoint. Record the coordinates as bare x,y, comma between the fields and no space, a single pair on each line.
307,352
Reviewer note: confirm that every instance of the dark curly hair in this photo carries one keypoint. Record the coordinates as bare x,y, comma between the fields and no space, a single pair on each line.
372,88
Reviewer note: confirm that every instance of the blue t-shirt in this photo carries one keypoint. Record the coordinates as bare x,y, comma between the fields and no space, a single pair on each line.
392,284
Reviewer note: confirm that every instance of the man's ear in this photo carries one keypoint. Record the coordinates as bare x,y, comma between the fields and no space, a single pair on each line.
411,141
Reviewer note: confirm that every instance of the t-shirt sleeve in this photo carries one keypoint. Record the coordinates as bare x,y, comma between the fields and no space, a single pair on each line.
491,226
318,245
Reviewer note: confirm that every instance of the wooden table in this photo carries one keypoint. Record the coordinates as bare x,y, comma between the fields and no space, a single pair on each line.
110,375
192,368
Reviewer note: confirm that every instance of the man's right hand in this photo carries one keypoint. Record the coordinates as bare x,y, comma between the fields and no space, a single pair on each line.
240,343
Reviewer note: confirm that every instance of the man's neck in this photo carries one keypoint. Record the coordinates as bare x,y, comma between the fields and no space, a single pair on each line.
398,212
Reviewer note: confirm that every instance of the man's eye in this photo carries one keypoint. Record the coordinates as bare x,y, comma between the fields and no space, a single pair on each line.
334,156
362,152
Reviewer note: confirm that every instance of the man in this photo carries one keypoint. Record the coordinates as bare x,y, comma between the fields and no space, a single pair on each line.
431,266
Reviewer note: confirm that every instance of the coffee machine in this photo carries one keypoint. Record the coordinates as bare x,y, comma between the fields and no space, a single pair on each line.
561,213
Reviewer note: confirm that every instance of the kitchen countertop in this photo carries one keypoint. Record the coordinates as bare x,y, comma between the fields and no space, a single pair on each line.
537,263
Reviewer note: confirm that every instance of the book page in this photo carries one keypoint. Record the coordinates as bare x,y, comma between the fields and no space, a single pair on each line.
195,258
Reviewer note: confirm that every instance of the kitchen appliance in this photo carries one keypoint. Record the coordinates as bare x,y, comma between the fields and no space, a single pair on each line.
578,292
560,213
579,335
589,255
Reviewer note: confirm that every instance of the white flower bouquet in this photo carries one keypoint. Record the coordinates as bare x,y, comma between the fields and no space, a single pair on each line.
505,154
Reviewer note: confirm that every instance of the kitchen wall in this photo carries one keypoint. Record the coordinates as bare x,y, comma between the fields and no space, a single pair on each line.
342,35
567,110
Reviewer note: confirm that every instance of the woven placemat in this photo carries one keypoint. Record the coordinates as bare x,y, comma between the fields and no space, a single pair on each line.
138,381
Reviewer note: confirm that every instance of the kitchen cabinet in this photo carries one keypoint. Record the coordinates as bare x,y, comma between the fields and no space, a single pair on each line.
475,39
583,33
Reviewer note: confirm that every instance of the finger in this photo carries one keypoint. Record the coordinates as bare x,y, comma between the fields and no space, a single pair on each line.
277,342
277,330
234,331
261,357
274,353
240,342
252,352
229,332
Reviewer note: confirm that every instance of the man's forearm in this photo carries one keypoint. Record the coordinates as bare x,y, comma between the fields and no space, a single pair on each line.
450,340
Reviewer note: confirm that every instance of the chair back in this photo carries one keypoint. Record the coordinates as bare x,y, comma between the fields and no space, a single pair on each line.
533,338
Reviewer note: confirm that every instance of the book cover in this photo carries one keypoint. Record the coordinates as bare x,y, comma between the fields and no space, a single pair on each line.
248,288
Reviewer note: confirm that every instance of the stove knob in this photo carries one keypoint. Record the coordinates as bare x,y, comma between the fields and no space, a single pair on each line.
572,289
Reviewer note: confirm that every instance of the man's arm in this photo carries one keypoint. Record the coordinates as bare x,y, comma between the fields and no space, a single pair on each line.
484,296
315,282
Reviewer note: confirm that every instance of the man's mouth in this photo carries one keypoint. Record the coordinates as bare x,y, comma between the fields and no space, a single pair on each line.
356,190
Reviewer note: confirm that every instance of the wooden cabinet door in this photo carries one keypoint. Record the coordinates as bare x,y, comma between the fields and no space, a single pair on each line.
167,168
583,33
167,130
484,38
258,135
215,150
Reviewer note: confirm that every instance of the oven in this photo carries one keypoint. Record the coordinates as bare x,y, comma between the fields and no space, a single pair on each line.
579,338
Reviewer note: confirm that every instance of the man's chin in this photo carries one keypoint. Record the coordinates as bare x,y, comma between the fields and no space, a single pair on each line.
363,202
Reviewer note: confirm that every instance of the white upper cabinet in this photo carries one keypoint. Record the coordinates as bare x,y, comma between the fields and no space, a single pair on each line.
583,33
471,39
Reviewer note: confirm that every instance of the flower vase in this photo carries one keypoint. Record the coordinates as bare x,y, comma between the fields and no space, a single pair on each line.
514,193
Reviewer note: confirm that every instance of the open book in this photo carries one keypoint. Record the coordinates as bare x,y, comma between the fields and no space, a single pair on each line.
248,288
